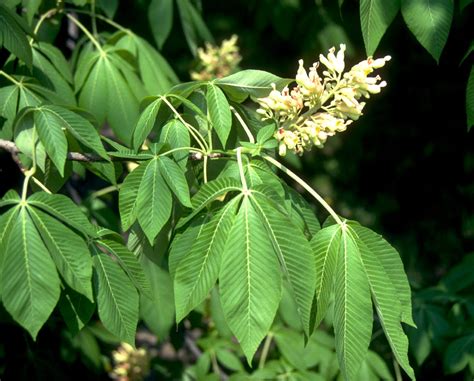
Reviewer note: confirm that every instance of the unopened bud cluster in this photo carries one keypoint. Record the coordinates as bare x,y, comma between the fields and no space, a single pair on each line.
217,61
130,364
319,107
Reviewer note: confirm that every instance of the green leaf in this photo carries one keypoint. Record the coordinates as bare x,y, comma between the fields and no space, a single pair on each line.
57,59
75,309
192,24
464,3
378,366
325,245
265,133
160,17
387,302
121,102
175,179
50,132
109,7
79,127
129,263
107,95
145,123
429,21
459,354
198,270
63,208
154,201
51,78
68,250
255,83
250,280
375,18
208,193
32,7
157,74
13,32
294,253
393,266
352,307
30,283
470,99
219,112
117,298
128,196
176,135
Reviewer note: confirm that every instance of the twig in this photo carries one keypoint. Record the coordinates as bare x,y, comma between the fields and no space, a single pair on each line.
90,158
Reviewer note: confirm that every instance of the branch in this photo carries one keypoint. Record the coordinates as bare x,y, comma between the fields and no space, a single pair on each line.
91,158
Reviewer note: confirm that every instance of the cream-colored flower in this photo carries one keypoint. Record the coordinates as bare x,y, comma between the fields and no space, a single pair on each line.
317,108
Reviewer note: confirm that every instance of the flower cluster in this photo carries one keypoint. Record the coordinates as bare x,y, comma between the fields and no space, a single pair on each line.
217,61
319,107
130,364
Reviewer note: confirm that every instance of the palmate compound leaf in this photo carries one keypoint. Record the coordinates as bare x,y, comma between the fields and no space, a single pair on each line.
250,279
361,263
198,269
386,295
30,283
158,178
294,253
105,92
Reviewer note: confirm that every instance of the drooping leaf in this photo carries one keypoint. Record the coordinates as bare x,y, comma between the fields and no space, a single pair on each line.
393,266
128,196
63,208
194,28
75,309
30,283
325,245
78,127
250,280
429,21
13,34
294,253
219,112
352,307
255,83
387,301
154,201
183,241
68,250
129,263
160,17
117,298
175,179
198,270
375,17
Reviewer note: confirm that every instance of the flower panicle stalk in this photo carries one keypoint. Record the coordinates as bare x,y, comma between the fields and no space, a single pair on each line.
217,61
319,107
130,364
